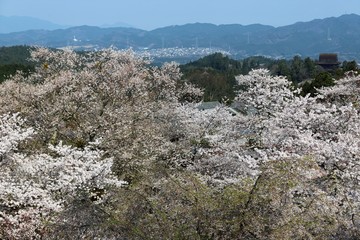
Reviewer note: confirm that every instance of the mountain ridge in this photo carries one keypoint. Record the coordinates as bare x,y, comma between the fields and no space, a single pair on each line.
333,34
10,24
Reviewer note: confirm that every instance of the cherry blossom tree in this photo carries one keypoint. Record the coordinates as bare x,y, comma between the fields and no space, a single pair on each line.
34,187
324,129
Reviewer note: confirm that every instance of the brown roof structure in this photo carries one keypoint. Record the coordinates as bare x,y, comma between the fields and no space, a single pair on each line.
328,60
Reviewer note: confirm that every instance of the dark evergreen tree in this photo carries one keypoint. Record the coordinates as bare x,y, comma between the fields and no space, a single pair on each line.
323,79
349,66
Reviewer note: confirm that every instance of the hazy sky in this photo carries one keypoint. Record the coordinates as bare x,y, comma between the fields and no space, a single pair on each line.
151,14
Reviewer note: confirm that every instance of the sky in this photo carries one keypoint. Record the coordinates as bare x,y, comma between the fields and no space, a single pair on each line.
151,14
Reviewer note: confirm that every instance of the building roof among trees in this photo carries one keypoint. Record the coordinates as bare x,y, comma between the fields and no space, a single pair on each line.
328,58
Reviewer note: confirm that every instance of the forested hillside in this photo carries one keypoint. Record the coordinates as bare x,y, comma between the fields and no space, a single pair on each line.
104,145
14,59
216,73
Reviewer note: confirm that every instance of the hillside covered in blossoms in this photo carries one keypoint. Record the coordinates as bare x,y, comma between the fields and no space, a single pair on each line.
104,145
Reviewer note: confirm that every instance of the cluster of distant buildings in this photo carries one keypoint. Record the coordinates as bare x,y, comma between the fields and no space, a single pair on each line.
178,52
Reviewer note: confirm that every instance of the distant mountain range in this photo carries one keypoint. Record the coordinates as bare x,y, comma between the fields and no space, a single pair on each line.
336,34
22,23
18,24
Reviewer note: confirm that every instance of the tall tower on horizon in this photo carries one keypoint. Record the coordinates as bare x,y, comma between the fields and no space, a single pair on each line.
328,35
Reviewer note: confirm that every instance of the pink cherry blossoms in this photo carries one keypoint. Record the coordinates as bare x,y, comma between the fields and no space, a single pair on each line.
126,146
